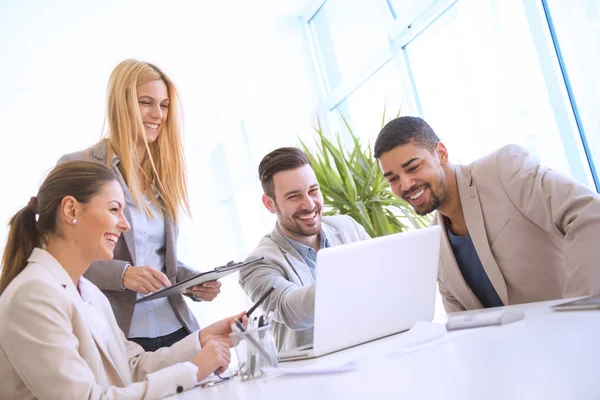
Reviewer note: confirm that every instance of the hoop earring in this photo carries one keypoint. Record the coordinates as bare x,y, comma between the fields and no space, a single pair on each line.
74,221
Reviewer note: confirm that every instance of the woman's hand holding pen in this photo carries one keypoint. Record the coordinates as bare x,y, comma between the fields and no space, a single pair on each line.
144,279
220,330
207,291
214,357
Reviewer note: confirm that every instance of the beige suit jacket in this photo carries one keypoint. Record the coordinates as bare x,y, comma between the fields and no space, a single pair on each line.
536,232
107,275
52,348
293,299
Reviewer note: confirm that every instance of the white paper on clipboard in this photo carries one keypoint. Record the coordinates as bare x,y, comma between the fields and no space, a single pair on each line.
213,275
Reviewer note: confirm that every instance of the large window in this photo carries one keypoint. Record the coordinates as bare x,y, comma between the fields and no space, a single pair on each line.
347,33
364,108
234,170
480,84
406,11
483,73
577,25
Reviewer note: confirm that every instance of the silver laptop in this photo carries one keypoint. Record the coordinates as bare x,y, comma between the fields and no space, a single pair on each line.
371,289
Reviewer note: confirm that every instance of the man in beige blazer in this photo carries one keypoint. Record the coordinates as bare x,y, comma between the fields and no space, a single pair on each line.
291,191
514,231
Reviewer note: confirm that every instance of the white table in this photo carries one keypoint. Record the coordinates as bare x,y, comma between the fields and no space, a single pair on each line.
548,355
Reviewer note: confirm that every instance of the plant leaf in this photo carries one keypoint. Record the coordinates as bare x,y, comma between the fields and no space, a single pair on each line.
352,183
380,220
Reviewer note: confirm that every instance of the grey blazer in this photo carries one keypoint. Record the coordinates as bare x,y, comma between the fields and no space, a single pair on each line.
536,232
107,275
293,299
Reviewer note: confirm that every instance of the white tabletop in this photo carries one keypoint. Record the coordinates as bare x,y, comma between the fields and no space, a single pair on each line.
548,355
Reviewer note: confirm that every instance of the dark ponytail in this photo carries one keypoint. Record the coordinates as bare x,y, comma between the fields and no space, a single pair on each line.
23,237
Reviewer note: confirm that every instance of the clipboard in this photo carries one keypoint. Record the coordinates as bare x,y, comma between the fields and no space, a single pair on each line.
212,275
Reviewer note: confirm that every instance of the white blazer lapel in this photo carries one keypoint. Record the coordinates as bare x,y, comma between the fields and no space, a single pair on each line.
113,350
46,260
96,333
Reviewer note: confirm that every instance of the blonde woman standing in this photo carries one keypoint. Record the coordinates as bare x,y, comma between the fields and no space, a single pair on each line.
144,149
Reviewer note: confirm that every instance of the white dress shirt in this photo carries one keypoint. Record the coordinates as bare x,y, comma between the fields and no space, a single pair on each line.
152,318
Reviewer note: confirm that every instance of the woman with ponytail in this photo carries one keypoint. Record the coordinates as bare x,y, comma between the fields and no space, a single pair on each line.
58,335
23,238
144,149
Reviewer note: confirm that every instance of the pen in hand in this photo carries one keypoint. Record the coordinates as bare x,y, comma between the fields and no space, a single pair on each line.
259,302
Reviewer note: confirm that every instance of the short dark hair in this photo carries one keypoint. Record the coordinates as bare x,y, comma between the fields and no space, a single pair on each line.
281,159
403,130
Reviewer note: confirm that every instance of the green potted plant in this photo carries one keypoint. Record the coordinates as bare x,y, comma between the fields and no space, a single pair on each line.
353,184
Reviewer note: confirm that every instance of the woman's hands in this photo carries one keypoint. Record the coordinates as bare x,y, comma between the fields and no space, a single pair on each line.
221,330
214,357
144,279
215,341
207,291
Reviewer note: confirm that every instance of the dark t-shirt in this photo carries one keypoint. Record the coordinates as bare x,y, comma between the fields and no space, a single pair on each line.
472,270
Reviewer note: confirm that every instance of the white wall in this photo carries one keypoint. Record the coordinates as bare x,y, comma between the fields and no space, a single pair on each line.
231,60
276,101
56,60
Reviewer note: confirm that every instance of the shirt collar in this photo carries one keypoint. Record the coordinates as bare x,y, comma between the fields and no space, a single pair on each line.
301,247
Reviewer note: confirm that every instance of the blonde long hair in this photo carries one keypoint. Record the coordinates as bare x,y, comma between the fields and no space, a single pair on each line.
163,167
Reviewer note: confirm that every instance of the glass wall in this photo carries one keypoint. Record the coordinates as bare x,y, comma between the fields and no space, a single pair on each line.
483,73
480,84
364,108
347,33
577,28
406,11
